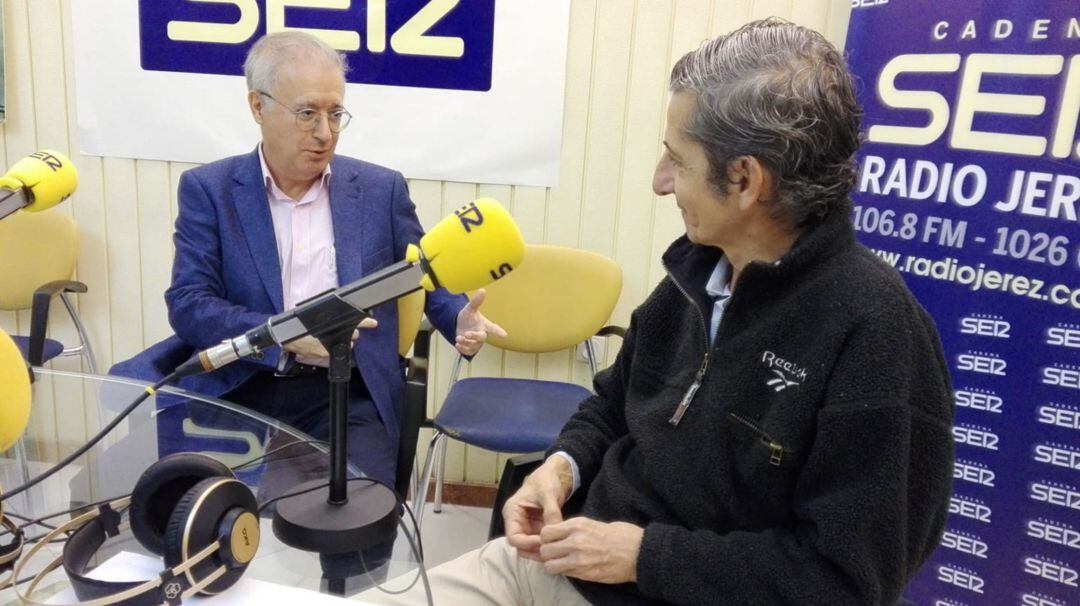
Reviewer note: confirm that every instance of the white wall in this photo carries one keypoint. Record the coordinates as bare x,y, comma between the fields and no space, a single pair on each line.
619,57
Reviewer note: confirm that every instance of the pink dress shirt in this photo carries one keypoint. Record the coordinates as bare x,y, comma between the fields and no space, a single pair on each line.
304,230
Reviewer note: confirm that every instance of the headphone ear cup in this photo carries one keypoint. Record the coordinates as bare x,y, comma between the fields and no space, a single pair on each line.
10,553
211,511
160,487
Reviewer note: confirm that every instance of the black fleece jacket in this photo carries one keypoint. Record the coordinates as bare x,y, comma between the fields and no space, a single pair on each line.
813,465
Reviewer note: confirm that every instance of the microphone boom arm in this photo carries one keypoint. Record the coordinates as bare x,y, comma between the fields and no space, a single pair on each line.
321,315
331,310
12,200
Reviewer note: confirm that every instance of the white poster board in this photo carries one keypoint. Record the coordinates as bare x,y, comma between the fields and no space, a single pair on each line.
439,89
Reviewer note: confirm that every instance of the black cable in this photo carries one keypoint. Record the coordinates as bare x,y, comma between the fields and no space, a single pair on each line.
9,584
376,584
415,525
29,521
39,521
80,451
270,453
420,563
417,550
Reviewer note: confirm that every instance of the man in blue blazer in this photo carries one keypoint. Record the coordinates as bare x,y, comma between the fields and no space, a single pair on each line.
258,233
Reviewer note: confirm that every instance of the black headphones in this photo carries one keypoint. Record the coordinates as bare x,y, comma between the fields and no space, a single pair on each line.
188,508
10,551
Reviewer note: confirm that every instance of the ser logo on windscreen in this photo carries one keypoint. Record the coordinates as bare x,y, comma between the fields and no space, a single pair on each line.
444,44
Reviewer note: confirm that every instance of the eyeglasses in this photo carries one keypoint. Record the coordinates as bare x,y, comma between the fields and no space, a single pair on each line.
307,118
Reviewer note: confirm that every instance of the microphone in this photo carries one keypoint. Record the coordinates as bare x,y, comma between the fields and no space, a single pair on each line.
475,246
14,392
39,181
14,415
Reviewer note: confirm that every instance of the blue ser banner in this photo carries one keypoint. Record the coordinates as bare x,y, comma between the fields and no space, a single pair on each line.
968,185
434,44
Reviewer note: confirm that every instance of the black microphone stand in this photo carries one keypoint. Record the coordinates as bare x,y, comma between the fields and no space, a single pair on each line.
342,516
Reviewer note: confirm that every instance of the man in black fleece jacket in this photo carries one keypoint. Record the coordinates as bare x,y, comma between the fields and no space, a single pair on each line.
776,427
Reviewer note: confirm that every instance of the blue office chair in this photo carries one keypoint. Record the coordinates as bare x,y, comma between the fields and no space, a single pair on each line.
37,259
557,298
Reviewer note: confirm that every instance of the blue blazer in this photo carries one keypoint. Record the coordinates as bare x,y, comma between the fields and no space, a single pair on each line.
226,276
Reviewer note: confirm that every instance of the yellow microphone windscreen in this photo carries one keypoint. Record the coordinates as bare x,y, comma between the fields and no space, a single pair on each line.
49,175
14,392
476,245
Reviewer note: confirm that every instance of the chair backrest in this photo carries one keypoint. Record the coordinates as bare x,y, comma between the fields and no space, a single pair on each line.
410,310
556,298
35,248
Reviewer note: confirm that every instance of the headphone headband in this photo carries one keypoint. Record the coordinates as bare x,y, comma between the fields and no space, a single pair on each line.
211,535
169,587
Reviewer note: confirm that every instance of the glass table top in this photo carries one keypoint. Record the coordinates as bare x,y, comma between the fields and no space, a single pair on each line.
269,457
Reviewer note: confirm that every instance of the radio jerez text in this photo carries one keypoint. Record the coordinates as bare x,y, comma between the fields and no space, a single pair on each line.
1035,194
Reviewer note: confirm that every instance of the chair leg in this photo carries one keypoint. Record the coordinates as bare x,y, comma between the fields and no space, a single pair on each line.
420,494
590,353
86,350
23,459
88,356
414,478
440,472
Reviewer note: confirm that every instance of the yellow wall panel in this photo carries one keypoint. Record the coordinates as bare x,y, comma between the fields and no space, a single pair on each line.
606,130
152,187
123,242
761,9
650,64
564,205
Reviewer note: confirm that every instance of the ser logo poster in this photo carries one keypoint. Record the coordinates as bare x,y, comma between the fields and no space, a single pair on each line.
444,44
969,186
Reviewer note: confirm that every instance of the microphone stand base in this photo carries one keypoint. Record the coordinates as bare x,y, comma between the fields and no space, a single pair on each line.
308,522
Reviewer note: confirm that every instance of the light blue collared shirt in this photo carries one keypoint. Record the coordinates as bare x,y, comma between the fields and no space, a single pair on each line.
719,288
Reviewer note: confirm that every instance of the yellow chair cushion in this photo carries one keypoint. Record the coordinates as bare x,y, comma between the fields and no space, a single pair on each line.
556,298
410,313
35,248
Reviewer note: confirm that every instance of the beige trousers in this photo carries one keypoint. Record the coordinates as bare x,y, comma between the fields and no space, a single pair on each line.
491,575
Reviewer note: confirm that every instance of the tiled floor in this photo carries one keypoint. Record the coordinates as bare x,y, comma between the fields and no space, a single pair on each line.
456,530
446,535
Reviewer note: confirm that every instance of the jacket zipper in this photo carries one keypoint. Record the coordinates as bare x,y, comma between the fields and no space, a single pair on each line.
688,397
776,451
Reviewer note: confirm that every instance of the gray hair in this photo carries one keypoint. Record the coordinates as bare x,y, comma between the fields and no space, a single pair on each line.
270,52
781,93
